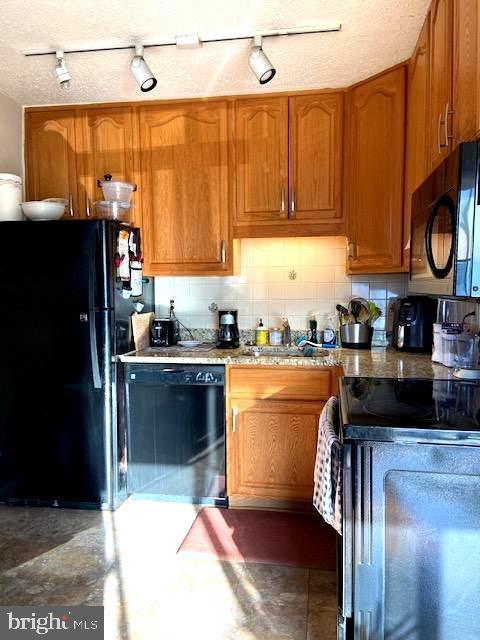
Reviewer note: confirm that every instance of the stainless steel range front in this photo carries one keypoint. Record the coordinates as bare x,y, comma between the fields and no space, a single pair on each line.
411,543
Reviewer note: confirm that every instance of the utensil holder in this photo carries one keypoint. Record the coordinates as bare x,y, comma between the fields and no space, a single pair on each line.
356,336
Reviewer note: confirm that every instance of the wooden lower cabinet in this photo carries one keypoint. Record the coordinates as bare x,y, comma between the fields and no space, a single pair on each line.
272,433
274,445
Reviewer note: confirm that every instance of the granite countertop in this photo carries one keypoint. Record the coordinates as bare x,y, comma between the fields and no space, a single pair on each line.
377,363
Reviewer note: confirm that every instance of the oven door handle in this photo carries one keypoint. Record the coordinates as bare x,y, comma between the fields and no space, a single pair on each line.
347,537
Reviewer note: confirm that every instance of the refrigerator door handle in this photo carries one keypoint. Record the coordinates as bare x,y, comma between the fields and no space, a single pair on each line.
92,324
92,327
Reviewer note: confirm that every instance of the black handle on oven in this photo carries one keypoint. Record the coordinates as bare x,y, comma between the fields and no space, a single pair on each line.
346,602
443,201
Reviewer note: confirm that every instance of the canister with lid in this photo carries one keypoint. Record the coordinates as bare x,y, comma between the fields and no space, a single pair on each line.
10,197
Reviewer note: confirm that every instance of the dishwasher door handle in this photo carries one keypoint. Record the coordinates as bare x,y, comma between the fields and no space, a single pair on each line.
173,370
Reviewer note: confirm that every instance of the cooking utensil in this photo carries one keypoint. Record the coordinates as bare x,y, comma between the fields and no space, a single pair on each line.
354,308
40,210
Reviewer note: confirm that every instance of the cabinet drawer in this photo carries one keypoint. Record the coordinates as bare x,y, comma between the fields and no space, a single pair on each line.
279,383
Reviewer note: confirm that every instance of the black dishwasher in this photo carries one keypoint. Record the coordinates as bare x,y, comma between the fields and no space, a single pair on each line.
176,432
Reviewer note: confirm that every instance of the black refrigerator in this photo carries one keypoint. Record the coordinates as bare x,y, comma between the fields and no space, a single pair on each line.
64,319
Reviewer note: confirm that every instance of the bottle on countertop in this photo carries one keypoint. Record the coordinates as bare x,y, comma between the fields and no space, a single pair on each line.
287,333
261,334
173,318
313,330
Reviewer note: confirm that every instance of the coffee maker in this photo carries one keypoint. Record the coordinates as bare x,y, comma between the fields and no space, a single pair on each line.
228,335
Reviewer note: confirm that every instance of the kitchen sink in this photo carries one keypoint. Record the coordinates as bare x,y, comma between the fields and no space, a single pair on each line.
279,352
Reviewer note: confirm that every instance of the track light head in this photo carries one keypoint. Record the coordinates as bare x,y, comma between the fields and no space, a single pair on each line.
259,63
61,72
141,71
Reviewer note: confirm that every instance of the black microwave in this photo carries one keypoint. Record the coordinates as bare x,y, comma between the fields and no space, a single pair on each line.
445,231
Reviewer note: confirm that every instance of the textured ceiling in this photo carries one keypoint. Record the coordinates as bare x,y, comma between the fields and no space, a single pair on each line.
375,35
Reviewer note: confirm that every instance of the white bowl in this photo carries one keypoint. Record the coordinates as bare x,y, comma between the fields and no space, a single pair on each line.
41,210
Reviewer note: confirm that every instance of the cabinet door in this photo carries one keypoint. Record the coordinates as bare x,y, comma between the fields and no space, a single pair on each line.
440,80
315,178
50,156
261,160
107,147
272,448
375,173
418,120
185,166
466,85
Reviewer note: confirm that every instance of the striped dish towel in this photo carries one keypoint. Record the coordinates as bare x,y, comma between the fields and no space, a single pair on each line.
327,495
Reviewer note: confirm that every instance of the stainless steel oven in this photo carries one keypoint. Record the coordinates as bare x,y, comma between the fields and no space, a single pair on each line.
445,231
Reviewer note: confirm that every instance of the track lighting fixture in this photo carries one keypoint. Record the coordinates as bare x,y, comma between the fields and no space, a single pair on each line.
141,71
259,63
61,72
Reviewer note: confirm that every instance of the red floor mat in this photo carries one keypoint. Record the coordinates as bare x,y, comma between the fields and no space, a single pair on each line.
300,540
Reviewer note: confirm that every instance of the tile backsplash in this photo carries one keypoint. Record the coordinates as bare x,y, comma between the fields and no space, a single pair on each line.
293,277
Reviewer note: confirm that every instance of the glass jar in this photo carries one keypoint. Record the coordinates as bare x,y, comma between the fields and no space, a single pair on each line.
275,336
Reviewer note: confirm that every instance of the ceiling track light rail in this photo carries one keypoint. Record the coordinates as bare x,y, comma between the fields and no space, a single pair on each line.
296,31
259,62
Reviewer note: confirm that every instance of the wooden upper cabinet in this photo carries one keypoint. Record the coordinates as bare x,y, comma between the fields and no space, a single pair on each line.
440,80
185,166
418,112
106,146
316,130
375,173
50,156
418,122
261,159
466,70
288,165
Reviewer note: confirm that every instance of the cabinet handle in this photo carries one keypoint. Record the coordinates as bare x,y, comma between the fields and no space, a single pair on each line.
292,203
282,202
350,248
70,206
444,121
87,206
234,419
223,252
448,112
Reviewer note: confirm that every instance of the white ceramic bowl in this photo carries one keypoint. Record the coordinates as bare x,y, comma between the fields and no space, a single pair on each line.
41,210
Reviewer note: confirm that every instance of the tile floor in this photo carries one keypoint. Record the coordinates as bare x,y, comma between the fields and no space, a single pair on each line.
127,561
